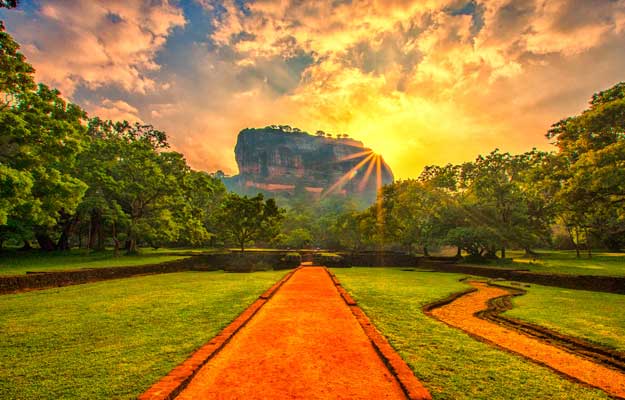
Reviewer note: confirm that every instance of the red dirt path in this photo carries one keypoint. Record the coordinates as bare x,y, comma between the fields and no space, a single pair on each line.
460,314
303,344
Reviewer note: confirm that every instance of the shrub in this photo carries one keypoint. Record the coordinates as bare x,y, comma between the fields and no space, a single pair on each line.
330,260
289,260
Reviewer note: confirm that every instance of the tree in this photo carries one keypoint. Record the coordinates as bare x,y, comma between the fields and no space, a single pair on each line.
591,160
410,211
8,3
298,238
203,195
41,135
246,220
16,75
356,230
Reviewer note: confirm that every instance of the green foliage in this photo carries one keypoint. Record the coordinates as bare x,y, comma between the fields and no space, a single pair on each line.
8,3
290,260
356,230
41,135
411,213
481,207
591,170
298,238
63,176
246,220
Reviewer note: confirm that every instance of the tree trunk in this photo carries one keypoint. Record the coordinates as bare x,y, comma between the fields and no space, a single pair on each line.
115,241
45,242
101,238
426,253
576,241
91,241
529,252
131,246
26,246
588,245
96,230
63,242
503,253
459,252
67,223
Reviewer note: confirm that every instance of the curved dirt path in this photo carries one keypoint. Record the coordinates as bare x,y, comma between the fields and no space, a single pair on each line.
303,344
461,314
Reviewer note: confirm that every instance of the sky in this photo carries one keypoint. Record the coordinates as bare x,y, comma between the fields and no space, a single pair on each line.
421,82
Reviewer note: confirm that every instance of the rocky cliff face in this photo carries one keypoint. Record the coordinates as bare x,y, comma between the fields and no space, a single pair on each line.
274,160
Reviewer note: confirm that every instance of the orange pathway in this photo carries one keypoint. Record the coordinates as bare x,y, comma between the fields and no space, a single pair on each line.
303,344
460,313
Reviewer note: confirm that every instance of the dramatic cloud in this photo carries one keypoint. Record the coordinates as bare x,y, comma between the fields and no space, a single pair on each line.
115,110
419,81
96,43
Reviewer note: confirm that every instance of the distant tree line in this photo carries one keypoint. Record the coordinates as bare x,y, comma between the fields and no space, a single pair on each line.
571,198
319,133
69,180
574,196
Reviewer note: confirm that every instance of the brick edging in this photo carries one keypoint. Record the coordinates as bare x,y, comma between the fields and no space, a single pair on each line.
412,387
168,387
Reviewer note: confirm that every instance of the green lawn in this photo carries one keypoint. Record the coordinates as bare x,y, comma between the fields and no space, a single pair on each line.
114,339
450,363
565,262
15,262
597,317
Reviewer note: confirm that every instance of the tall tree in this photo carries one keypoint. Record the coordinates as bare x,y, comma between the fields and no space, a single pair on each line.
246,220
592,168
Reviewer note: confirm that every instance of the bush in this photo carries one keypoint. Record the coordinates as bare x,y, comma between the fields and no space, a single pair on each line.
290,260
330,260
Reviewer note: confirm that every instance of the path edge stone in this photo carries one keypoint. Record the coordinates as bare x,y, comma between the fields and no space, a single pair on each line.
168,387
429,308
411,386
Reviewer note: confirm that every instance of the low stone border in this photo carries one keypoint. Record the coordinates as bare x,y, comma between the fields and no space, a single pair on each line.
229,262
427,309
598,354
583,348
177,380
412,387
45,280
596,283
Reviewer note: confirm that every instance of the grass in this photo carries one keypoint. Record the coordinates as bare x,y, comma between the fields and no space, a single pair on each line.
565,262
15,262
114,339
597,317
450,363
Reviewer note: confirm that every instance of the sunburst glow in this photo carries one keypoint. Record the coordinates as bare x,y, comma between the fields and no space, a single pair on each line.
371,162
420,82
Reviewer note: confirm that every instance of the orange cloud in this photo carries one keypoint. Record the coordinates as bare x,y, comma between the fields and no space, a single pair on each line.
117,110
96,43
420,82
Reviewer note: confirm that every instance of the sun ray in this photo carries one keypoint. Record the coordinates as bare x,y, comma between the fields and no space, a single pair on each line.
365,178
378,172
355,155
347,176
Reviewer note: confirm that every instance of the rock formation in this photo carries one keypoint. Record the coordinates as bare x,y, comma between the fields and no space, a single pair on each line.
281,159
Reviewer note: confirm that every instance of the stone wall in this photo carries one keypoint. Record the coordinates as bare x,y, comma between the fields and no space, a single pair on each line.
231,262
